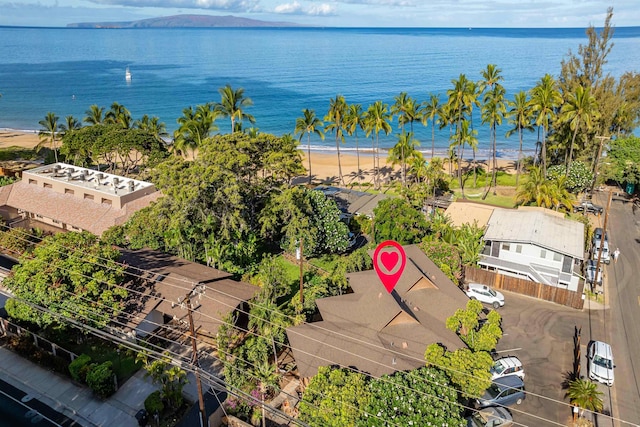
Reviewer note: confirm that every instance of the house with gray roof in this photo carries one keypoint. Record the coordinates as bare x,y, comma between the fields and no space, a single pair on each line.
66,197
535,244
379,332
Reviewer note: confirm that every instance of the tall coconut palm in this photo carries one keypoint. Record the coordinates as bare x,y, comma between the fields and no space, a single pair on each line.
309,124
377,119
579,110
118,114
407,110
94,115
493,111
585,395
194,127
353,121
48,133
461,100
232,105
335,119
70,124
545,99
405,148
520,116
153,125
469,137
494,95
430,111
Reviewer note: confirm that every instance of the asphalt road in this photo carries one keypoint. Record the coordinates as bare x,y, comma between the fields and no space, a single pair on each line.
620,325
541,335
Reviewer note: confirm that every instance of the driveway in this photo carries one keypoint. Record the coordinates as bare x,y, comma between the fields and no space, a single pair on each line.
541,335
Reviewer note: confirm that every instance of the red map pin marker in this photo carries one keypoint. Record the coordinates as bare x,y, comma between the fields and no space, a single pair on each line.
389,260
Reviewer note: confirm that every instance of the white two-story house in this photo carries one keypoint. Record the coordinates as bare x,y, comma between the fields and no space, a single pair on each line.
536,244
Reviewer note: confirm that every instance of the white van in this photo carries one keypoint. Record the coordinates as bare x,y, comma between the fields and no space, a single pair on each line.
600,362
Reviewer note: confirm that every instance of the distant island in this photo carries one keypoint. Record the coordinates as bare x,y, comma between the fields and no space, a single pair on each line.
186,21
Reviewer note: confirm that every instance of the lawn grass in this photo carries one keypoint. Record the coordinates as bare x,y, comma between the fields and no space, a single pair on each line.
123,360
17,153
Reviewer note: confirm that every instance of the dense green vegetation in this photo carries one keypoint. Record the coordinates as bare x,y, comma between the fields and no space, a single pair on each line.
229,203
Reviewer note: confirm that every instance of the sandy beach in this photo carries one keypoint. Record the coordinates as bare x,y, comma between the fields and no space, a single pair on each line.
324,166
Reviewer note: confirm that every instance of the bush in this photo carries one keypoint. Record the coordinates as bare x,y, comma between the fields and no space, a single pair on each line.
153,403
79,368
100,380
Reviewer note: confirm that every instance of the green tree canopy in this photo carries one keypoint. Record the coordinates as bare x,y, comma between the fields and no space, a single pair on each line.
466,323
395,219
622,163
468,370
71,274
335,397
299,213
424,396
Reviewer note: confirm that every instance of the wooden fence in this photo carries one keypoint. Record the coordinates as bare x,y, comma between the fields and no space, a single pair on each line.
554,294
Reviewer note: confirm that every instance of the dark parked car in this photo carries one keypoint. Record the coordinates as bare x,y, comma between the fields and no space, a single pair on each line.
589,207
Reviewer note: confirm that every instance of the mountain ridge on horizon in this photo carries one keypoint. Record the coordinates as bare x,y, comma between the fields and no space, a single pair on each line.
186,21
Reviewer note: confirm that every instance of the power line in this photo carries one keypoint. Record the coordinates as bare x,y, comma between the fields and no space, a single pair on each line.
310,324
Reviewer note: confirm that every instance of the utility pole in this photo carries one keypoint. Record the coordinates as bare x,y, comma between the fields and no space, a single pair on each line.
597,160
299,256
604,233
204,422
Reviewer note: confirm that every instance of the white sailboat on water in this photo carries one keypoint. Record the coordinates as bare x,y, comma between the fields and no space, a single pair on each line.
127,75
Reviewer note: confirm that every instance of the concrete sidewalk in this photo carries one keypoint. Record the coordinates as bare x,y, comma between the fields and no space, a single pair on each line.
76,402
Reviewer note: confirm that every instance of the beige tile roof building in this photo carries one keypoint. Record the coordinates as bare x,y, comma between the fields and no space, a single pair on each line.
74,198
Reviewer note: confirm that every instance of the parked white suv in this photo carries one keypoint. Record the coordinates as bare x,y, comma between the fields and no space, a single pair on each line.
485,294
508,365
606,256
600,362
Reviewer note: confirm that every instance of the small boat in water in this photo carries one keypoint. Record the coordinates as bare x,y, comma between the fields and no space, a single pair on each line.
127,75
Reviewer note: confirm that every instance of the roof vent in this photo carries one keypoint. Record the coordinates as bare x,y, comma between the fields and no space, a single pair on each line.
116,181
132,185
68,175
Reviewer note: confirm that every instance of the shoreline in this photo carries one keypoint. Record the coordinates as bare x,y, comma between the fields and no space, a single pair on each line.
324,163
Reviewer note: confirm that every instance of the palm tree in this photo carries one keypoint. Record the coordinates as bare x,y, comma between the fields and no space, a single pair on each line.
461,100
353,120
520,116
493,95
377,119
407,110
493,111
48,133
153,125
580,109
585,395
70,124
335,122
309,124
430,111
118,114
540,191
404,148
94,115
545,98
194,127
232,105
468,136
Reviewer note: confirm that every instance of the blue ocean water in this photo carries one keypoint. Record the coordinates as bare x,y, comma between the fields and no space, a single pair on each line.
283,70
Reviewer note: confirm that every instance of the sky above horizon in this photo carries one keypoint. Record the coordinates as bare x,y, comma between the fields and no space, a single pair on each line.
333,13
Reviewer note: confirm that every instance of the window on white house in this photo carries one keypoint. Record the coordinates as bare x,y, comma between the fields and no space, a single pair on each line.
506,247
543,253
557,256
519,249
